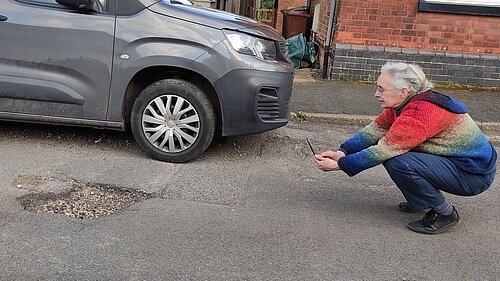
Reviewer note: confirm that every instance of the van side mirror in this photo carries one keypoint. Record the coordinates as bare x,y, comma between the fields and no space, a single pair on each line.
86,5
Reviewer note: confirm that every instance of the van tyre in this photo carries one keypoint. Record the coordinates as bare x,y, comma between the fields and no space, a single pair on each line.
173,120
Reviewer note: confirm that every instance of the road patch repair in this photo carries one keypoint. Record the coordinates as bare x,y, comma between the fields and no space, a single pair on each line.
75,199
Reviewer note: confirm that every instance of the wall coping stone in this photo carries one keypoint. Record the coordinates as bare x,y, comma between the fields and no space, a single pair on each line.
472,56
454,55
411,51
490,57
427,53
376,48
359,47
343,46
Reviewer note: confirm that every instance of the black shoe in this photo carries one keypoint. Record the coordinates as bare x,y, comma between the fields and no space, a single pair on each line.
433,223
407,208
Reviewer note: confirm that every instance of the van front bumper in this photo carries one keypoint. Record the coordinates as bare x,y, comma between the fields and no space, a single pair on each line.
254,101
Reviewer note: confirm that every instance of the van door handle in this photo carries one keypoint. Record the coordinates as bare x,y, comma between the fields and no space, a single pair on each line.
3,18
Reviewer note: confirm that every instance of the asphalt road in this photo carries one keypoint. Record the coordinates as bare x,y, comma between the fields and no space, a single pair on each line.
251,208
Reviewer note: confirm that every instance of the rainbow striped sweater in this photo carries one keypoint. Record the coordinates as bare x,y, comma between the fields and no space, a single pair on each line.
431,123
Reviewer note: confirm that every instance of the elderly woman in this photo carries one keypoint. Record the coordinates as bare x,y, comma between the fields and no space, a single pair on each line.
426,141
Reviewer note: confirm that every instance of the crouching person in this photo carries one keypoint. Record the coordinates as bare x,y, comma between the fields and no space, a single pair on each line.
428,144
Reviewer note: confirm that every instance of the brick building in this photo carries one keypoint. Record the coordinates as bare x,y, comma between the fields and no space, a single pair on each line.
453,42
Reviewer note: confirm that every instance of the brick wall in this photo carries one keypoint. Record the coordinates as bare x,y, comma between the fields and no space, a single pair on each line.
397,23
444,39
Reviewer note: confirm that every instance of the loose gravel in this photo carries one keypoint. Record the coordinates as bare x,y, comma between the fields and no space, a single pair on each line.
84,201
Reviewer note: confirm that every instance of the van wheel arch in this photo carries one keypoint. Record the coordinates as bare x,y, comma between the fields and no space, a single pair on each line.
150,75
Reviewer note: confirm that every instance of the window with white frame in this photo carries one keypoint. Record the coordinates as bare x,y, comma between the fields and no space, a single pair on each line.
473,7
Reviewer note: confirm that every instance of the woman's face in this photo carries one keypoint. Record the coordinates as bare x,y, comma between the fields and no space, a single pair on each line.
387,95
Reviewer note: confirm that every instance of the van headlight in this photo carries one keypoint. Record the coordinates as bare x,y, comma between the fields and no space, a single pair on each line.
251,45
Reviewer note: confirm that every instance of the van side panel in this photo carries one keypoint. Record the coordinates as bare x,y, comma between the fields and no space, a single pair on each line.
55,62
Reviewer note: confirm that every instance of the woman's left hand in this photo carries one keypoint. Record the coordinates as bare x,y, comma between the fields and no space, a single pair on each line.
325,163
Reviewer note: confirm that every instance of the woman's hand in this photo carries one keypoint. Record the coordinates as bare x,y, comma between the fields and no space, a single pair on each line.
325,161
333,155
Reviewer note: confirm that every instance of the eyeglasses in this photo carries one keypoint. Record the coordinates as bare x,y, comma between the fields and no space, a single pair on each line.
382,90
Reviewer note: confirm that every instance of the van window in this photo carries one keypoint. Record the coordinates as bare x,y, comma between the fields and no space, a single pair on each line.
44,1
182,2
50,2
102,4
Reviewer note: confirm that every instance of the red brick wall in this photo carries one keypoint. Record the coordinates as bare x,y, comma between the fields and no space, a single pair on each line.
285,5
397,23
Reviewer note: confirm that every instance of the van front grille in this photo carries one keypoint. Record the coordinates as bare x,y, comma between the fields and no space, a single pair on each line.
268,107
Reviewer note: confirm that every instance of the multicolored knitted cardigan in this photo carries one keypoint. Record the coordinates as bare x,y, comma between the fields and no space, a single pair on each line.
432,123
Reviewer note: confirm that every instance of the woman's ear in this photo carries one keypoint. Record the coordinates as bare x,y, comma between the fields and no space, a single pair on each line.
404,93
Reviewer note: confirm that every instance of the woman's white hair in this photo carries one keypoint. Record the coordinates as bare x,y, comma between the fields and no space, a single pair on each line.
406,75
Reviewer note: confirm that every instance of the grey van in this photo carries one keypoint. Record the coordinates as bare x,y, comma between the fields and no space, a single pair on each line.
172,73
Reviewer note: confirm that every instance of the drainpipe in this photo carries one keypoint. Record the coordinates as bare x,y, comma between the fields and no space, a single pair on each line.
329,35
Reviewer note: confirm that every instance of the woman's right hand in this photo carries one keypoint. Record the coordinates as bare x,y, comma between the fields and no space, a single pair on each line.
333,155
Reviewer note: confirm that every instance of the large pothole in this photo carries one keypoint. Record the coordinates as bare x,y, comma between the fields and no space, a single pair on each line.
81,200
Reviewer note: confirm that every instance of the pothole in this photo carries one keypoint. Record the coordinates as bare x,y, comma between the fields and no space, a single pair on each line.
83,200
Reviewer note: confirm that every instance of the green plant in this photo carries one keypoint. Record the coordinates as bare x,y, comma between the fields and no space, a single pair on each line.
345,74
267,4
299,116
371,79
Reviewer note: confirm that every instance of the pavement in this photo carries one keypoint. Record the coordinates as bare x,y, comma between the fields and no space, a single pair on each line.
343,102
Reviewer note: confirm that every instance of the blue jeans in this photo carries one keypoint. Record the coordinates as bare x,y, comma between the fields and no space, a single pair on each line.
421,177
